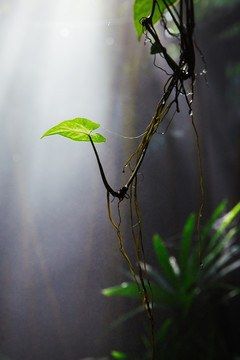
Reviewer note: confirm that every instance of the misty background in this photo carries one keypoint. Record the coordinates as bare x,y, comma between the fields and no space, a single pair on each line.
65,59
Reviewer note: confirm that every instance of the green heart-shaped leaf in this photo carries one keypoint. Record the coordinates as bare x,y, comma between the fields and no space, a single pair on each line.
78,129
142,9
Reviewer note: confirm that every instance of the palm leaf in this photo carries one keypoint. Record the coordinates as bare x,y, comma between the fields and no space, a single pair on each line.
205,232
163,259
208,227
222,261
160,280
228,218
219,247
185,245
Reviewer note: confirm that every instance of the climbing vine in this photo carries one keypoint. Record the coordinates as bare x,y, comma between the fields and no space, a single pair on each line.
148,15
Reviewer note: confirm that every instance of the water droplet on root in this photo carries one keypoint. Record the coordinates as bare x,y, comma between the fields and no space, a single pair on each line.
203,72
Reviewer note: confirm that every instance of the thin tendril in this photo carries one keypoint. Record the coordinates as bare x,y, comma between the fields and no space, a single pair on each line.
123,251
140,255
123,136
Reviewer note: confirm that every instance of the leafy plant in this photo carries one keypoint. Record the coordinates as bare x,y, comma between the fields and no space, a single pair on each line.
177,284
188,298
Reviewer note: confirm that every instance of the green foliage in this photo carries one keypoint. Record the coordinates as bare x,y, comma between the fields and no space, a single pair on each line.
179,275
118,355
125,289
142,9
185,290
78,129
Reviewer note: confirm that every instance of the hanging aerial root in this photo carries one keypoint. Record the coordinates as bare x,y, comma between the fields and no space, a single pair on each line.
183,70
141,260
141,291
139,249
160,114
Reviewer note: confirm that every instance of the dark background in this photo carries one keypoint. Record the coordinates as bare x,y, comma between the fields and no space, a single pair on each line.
66,59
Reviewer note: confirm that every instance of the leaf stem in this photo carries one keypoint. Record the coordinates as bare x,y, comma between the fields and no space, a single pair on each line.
122,192
105,182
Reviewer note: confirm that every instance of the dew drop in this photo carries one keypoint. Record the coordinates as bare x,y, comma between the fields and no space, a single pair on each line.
190,112
203,72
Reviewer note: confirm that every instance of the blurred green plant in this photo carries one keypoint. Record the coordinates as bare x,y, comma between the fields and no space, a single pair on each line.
190,300
118,355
